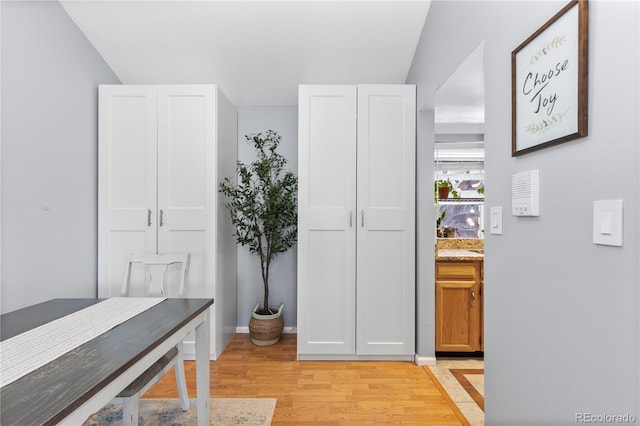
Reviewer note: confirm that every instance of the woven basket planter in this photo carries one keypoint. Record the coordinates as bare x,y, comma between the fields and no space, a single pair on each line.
266,330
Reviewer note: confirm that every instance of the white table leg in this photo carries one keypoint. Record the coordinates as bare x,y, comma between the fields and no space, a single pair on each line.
202,370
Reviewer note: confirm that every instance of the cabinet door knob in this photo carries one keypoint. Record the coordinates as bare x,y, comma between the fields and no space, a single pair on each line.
148,217
473,298
362,218
161,217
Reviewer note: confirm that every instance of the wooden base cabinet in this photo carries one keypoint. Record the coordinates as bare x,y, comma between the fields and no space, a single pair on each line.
459,306
356,222
162,151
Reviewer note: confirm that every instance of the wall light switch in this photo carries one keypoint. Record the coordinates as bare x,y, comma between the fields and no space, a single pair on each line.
607,222
495,220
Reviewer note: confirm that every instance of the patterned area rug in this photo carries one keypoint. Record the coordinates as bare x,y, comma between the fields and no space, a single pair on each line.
224,412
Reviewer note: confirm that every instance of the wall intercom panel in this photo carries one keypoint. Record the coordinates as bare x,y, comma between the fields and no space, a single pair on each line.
525,193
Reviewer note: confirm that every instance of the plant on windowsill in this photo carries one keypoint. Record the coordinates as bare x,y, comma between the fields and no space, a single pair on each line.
450,232
445,231
442,188
439,222
263,208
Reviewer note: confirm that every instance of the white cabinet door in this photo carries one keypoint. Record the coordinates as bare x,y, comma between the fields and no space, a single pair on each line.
186,179
326,219
127,180
386,213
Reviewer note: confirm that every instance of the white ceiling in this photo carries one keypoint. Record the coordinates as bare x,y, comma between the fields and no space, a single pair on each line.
460,99
256,51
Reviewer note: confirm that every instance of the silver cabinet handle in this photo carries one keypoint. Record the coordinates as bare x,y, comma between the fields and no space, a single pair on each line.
362,218
350,218
473,298
148,217
161,217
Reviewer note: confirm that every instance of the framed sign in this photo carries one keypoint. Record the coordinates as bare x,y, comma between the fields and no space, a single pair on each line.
549,82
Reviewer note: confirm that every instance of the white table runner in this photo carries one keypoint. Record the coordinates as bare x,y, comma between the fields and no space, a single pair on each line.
26,352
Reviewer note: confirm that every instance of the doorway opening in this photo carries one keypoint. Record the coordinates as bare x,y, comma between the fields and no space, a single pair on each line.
459,228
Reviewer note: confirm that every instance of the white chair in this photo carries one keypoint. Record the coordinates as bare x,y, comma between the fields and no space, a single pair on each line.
156,268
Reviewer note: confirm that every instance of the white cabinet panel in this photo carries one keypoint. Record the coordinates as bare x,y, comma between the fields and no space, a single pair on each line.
383,296
356,225
131,151
186,179
386,237
185,145
382,145
326,219
330,293
331,149
127,186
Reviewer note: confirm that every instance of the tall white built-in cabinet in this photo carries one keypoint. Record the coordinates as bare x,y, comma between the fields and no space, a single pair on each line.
162,151
356,230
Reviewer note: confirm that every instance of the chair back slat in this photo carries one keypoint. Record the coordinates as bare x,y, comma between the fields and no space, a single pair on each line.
156,269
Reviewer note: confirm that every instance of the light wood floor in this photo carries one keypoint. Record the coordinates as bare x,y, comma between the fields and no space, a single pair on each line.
323,393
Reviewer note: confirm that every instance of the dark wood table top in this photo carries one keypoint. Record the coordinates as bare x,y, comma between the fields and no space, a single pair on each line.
51,393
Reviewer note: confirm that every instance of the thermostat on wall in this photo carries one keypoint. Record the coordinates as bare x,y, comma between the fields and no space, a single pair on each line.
525,193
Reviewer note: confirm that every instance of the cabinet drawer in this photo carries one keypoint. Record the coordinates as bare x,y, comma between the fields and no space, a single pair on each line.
456,270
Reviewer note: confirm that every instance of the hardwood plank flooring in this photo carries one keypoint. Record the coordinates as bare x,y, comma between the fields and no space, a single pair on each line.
322,392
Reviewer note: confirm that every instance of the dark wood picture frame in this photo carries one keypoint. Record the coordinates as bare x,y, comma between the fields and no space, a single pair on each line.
549,82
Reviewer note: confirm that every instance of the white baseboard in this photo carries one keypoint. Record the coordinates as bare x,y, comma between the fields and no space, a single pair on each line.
353,357
286,330
425,360
189,347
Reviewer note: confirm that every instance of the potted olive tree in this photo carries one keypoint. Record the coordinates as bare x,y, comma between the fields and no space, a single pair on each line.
263,208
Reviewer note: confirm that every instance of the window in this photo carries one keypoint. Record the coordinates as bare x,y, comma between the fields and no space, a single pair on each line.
465,170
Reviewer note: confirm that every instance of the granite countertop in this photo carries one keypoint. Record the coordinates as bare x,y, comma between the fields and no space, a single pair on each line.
459,254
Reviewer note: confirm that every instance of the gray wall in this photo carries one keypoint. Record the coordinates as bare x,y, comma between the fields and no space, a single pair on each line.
282,276
50,74
562,320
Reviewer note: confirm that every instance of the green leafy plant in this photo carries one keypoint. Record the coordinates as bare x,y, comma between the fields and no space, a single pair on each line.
441,218
444,183
450,232
439,222
445,231
557,41
263,205
545,125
